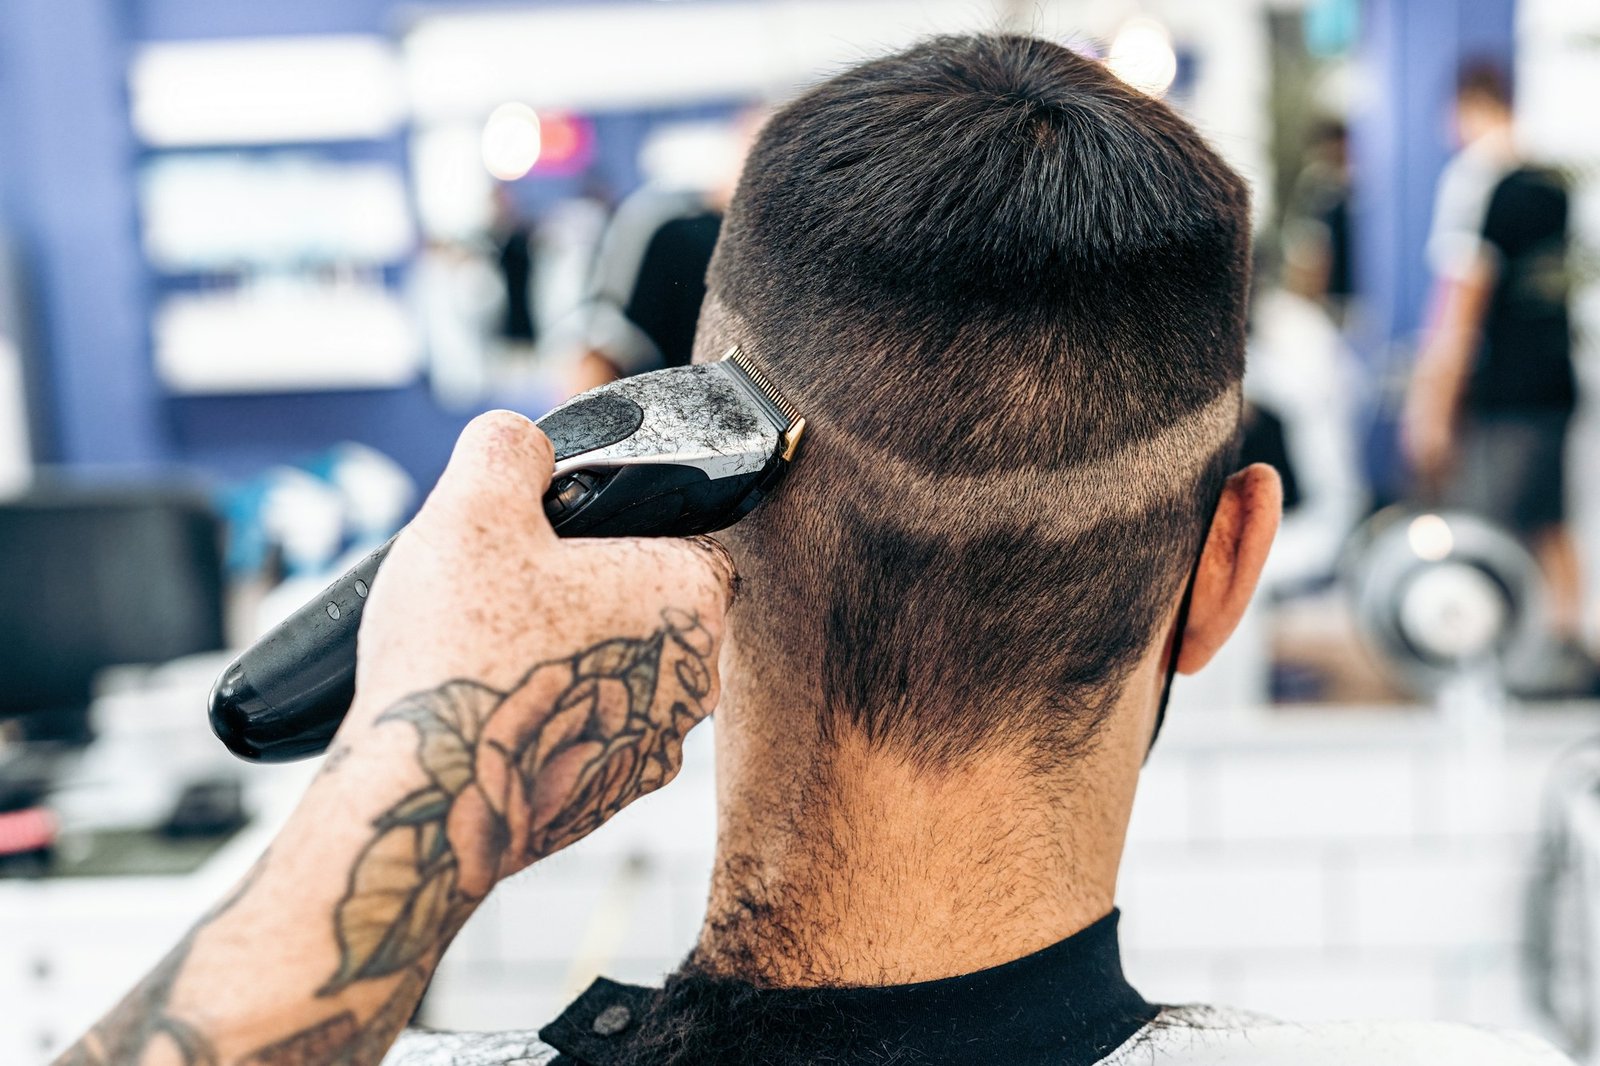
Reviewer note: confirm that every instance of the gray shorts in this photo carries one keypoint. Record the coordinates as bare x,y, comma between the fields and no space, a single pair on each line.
1513,469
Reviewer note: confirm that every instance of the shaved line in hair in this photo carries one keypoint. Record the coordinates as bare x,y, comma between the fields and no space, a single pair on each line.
1133,481
1107,488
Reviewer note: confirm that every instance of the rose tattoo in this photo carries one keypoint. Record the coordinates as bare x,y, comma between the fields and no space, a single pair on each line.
514,776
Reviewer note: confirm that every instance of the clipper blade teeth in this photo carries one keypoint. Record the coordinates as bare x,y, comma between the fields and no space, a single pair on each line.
763,383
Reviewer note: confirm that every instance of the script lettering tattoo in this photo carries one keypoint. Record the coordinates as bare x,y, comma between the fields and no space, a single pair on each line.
513,776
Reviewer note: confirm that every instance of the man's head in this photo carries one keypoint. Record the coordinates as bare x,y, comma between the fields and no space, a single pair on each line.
1007,292
1483,100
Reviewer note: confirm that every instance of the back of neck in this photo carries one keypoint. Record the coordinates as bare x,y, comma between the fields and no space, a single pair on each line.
841,865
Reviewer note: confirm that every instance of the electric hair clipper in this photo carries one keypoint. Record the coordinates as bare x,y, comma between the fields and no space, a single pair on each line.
672,453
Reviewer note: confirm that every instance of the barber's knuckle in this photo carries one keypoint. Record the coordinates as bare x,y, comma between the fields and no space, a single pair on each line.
499,424
508,437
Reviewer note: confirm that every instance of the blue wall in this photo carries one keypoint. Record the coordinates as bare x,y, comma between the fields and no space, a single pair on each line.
68,199
1410,53
69,206
1409,56
180,20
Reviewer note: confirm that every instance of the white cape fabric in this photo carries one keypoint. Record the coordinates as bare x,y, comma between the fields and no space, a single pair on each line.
1179,1036
1210,1036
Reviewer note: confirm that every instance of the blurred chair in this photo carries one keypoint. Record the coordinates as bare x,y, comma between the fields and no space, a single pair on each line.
91,578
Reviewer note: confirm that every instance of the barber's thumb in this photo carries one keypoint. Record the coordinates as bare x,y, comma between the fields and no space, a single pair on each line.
499,471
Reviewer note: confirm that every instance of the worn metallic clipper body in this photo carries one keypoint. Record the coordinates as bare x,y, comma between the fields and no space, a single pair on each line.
672,453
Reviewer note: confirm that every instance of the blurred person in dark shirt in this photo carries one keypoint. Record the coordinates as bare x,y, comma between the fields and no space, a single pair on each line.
1494,390
513,240
649,283
650,273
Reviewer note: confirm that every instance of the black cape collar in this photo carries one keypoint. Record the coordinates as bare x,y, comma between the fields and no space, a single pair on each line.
1068,1005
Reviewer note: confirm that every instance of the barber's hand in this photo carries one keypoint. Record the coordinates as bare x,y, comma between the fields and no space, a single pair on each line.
540,684
513,691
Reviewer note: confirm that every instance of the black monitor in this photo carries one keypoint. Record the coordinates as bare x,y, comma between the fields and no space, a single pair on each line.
91,578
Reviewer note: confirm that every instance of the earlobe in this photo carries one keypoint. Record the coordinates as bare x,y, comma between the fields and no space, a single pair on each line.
1236,549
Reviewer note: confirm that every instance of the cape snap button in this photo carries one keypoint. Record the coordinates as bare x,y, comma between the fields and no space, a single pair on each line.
613,1020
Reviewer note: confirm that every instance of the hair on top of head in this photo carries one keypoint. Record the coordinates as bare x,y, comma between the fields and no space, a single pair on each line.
1484,79
1008,293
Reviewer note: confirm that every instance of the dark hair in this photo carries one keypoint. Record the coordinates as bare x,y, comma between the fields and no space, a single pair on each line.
1484,79
1328,131
1007,291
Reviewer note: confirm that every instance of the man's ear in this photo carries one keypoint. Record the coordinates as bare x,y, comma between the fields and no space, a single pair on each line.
1236,550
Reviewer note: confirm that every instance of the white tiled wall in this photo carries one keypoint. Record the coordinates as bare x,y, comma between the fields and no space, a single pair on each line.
1315,867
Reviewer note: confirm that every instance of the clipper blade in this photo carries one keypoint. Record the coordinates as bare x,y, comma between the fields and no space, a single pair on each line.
785,413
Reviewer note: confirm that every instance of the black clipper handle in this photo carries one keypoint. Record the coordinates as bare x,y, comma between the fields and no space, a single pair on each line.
284,698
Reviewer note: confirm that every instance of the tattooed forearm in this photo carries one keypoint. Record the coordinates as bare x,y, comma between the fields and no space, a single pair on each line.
510,776
341,1040
334,759
319,1043
141,1027
513,776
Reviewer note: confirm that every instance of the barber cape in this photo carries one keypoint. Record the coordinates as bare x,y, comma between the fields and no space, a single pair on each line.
1068,1005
